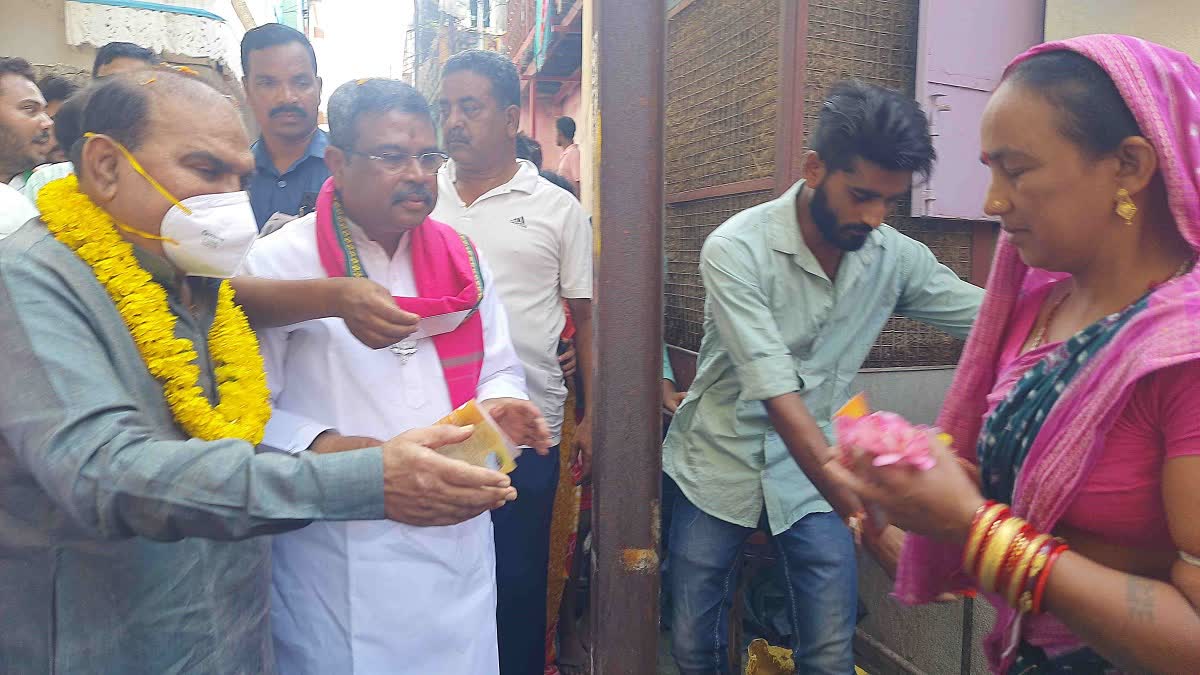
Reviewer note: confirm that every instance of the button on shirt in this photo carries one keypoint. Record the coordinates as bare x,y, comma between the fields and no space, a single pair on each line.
293,191
774,323
539,242
363,597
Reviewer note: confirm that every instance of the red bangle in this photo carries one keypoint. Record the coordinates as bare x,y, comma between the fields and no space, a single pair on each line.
1035,573
1039,594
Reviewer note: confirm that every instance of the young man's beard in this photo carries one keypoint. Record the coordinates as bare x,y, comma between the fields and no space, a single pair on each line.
845,237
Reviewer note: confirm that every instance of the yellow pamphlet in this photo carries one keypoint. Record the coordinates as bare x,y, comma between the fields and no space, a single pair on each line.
855,408
488,446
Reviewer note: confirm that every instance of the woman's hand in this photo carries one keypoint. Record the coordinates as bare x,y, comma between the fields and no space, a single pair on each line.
940,502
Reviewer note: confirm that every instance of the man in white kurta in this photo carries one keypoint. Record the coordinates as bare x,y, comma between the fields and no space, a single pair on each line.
375,597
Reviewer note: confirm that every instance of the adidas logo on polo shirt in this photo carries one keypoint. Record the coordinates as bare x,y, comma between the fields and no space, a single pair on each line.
519,220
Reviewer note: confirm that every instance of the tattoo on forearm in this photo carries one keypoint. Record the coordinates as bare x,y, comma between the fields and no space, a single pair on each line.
1140,598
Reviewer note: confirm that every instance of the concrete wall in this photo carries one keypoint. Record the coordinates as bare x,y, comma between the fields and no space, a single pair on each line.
916,393
36,31
1169,22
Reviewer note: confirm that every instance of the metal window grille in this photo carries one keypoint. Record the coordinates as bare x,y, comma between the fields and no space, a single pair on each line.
876,41
688,225
722,93
722,107
903,342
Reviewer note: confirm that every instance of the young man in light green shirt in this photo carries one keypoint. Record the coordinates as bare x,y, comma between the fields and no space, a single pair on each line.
798,289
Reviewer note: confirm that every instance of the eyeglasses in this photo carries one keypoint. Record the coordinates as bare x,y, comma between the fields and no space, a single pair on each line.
395,162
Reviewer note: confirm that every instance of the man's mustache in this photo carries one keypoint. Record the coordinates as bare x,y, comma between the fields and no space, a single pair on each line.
457,137
288,109
415,192
42,138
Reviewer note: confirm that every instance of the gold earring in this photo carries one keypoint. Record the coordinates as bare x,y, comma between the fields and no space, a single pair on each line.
997,205
1126,209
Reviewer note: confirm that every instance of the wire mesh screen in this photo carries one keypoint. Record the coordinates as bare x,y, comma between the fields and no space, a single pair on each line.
688,225
722,104
722,93
876,41
870,40
903,342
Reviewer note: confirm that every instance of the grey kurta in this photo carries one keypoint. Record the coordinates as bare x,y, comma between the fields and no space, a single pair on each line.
126,547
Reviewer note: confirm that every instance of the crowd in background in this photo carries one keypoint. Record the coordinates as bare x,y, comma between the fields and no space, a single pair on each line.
190,483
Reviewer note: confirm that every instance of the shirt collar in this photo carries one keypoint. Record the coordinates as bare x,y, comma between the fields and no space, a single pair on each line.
316,148
364,242
159,268
524,180
20,180
785,235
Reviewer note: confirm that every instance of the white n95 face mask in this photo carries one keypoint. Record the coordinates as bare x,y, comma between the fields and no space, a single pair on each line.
203,236
212,240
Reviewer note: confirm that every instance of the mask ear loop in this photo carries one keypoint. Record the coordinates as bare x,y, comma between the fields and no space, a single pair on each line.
138,168
153,183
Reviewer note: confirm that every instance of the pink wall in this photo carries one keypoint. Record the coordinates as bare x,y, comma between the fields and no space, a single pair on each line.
547,112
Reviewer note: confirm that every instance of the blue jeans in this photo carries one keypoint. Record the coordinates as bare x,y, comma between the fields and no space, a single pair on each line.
819,565
522,530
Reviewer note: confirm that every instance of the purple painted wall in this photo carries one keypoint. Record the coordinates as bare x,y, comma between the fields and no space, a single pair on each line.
962,48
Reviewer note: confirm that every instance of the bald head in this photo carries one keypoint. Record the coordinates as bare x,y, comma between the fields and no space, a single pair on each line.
184,133
125,106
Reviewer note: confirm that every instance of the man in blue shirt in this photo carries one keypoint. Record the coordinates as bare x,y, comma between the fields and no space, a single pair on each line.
797,291
284,91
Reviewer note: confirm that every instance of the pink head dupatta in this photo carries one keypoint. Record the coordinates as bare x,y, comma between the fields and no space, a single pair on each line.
1161,87
446,270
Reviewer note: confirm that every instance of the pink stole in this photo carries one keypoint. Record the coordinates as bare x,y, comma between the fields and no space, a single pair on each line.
446,270
1154,82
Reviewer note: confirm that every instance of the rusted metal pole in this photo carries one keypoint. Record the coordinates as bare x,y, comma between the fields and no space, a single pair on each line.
533,106
628,54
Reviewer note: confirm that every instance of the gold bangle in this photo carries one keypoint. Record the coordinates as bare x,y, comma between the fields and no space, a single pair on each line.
1012,561
1035,569
982,526
977,564
997,548
1020,573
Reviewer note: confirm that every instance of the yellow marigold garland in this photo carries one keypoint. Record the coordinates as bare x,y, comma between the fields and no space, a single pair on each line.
244,406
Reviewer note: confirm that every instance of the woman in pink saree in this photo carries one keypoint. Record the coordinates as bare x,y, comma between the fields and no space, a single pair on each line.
1077,400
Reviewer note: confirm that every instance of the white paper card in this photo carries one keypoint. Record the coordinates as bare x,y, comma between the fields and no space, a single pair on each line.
442,323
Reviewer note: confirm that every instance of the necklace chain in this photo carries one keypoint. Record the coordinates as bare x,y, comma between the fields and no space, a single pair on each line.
1040,336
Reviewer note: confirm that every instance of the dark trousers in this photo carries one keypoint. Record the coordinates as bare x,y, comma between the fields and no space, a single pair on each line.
522,530
819,564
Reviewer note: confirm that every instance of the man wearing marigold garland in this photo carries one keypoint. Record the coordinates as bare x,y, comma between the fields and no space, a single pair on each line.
387,597
129,502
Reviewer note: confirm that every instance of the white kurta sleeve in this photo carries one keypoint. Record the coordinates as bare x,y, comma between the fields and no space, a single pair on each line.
286,431
502,375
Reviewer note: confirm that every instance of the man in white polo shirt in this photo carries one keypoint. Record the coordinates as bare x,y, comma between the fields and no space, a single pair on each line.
539,243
